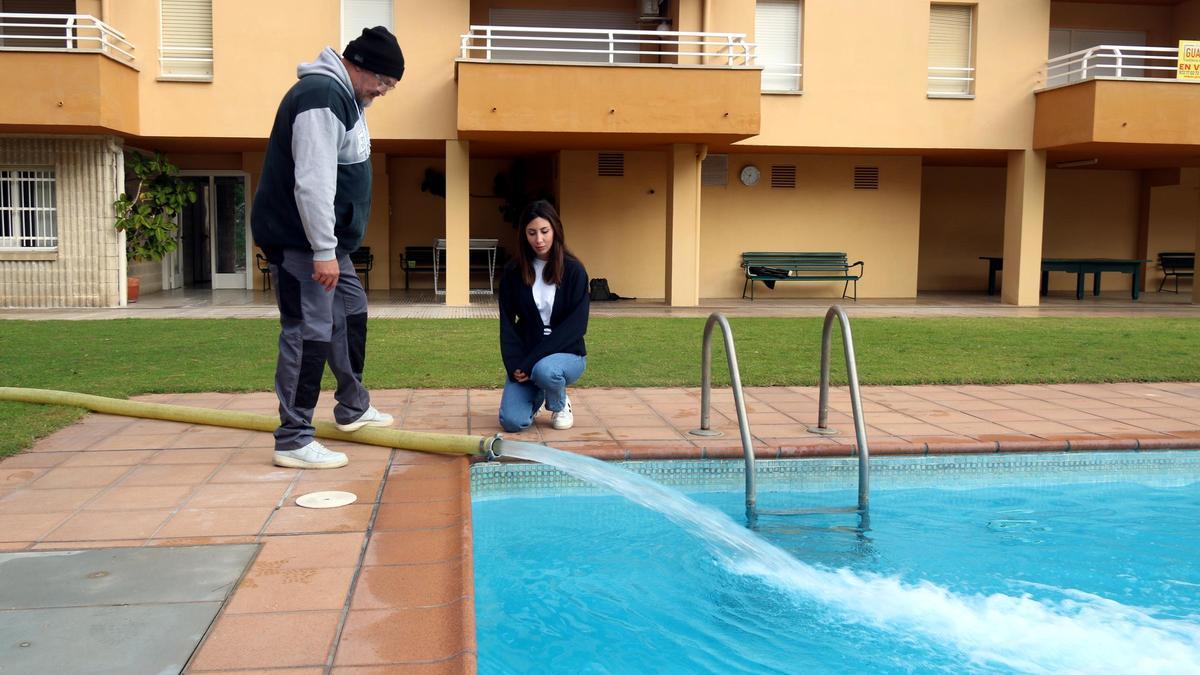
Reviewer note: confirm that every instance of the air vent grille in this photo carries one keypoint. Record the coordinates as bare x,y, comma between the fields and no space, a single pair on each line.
783,175
866,178
610,164
715,170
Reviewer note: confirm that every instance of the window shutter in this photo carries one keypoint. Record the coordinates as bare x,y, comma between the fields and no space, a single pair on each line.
360,14
187,39
777,33
950,48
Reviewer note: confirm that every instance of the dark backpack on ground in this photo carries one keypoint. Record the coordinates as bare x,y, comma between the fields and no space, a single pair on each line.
599,290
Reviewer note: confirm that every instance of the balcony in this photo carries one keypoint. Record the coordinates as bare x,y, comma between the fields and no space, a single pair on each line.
605,87
1120,106
73,73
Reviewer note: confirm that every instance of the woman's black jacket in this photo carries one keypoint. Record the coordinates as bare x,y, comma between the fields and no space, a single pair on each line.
522,343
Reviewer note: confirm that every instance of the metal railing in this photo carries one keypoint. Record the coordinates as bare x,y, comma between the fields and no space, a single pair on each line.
1121,62
950,80
739,402
75,33
735,378
593,45
860,428
781,76
186,62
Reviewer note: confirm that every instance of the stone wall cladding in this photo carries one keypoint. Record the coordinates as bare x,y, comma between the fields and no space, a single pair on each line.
87,270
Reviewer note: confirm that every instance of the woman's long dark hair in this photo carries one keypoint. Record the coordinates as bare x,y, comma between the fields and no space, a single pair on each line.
553,273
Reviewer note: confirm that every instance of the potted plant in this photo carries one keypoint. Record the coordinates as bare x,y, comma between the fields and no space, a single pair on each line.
148,216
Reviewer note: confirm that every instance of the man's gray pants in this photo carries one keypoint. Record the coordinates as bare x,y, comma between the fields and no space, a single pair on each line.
317,327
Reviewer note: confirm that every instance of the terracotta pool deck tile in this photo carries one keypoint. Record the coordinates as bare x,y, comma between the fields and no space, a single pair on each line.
141,427
763,430
1168,443
434,422
308,551
35,460
909,428
662,450
1045,428
265,589
975,429
405,547
296,519
71,545
206,437
110,458
355,471
191,456
66,477
66,440
645,433
140,497
271,671
605,450
577,433
372,637
1166,425
215,522
169,474
92,525
414,457
1101,444
365,490
61,500
418,515
30,527
133,442
896,447
415,490
237,494
272,640
408,586
262,472
14,478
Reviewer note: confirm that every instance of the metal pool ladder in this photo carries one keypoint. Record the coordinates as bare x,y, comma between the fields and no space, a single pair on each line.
822,427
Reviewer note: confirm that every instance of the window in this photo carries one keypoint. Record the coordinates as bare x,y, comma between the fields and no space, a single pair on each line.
777,33
951,70
360,14
28,216
186,49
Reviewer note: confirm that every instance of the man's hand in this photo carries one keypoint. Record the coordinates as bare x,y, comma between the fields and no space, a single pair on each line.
326,272
520,376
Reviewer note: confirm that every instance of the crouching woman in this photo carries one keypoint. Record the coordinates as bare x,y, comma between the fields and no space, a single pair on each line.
543,318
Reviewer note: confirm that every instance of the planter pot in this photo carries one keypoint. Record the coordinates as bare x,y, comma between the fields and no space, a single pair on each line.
135,285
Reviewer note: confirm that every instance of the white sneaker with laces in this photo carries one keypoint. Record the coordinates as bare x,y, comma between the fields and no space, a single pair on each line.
371,418
312,456
563,419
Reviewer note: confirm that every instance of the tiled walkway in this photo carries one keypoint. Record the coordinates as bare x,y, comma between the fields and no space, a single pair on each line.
385,584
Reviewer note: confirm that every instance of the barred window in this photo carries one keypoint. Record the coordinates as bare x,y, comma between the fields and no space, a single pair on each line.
28,211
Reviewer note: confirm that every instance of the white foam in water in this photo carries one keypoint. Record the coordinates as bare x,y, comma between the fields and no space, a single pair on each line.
1080,633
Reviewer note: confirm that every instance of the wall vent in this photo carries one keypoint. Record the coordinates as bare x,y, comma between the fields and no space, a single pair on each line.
866,178
610,164
715,170
783,175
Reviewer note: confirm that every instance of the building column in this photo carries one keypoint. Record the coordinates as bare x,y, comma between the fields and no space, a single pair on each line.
683,225
1024,205
456,258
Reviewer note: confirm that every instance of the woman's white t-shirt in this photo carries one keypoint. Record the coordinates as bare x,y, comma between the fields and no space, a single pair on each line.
543,294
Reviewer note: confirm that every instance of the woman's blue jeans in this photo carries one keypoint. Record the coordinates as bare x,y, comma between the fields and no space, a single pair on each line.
547,383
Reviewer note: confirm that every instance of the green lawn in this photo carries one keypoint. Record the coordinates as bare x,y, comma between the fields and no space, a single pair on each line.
123,358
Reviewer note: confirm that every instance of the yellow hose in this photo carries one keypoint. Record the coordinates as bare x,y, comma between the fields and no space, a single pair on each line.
446,444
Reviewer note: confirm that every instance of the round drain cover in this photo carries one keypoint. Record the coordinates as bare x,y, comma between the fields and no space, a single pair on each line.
326,500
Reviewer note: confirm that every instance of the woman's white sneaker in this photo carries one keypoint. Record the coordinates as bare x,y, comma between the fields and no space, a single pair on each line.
563,419
370,418
312,456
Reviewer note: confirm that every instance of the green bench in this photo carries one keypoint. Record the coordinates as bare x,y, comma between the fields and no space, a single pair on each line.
770,267
1176,264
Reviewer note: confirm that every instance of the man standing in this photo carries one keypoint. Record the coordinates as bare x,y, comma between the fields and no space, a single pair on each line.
310,212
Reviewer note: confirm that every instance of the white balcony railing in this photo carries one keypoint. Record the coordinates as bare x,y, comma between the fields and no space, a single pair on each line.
1113,62
950,81
781,76
591,45
75,33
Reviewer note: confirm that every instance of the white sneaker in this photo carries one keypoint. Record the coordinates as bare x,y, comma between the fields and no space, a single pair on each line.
371,418
312,456
563,419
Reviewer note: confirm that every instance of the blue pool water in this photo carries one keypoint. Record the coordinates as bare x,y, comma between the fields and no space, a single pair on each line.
1022,565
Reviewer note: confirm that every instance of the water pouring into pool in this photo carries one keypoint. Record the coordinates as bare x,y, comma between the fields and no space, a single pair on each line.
1061,630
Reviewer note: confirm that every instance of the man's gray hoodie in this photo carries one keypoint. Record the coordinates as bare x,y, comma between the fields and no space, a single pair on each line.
315,190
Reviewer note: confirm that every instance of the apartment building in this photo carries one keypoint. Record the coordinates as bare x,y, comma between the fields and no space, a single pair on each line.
915,136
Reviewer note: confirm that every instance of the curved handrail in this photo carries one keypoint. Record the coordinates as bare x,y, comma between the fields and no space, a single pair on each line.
860,433
735,378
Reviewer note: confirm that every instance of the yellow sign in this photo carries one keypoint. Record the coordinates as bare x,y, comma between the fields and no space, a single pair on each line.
1189,60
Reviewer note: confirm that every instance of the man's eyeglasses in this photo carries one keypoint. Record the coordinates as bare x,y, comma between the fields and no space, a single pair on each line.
389,83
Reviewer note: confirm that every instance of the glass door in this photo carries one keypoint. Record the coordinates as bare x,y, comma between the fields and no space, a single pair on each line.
227,216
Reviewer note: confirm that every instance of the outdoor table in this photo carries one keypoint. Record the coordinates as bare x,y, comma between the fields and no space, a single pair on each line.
1079,267
488,245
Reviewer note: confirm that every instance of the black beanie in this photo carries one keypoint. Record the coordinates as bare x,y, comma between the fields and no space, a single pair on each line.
376,50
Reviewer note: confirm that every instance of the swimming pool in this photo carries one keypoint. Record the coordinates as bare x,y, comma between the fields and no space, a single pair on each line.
1004,563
